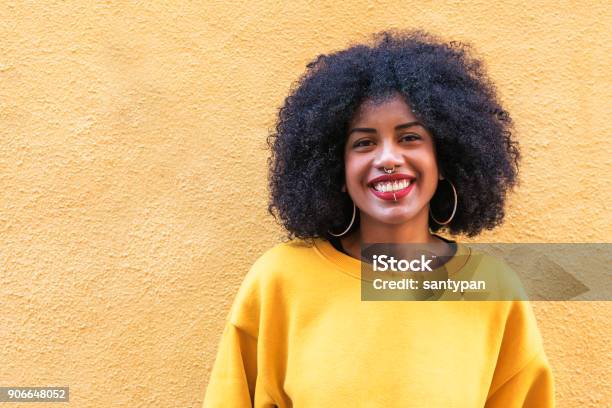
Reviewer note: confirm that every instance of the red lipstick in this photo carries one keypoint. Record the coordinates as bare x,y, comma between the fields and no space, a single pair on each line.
390,177
392,195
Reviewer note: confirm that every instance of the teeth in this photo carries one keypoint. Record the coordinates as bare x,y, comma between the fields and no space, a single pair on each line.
392,186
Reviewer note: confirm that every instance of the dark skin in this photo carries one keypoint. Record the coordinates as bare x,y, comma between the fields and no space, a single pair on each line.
448,90
389,135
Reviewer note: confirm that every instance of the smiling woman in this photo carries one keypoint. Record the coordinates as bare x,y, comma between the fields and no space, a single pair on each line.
386,135
386,142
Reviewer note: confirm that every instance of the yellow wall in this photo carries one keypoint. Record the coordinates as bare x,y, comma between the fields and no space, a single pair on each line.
133,182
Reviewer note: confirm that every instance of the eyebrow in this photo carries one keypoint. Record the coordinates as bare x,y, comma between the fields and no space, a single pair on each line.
398,127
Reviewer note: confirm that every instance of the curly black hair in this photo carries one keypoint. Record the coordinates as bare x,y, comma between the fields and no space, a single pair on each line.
447,88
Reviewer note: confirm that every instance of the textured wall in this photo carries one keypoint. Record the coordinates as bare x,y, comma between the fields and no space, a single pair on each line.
132,173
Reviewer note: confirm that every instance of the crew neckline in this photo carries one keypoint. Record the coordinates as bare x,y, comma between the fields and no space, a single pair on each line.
352,267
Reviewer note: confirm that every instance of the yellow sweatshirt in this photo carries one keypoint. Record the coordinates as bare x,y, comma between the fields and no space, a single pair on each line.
298,335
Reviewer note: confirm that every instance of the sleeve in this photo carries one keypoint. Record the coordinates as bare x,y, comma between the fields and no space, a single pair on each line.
232,380
523,376
239,377
531,387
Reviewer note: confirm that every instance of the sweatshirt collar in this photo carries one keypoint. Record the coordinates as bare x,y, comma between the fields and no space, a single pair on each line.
352,266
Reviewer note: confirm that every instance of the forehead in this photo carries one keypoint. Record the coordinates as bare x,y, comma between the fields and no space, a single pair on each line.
391,109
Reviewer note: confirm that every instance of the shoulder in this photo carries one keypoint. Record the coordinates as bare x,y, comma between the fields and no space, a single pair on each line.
264,285
502,282
279,258
284,251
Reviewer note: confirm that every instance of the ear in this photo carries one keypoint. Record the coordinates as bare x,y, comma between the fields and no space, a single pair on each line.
343,189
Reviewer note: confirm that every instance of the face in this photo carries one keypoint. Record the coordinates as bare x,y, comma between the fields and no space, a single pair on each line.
388,135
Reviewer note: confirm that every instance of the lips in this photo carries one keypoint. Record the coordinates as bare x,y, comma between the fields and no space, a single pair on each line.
392,186
391,178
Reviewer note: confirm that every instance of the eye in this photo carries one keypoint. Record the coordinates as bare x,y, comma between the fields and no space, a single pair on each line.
362,143
410,137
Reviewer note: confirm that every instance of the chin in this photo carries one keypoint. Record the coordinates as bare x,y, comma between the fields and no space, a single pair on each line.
393,216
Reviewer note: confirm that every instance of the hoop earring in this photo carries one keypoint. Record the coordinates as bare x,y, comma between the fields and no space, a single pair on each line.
454,207
350,225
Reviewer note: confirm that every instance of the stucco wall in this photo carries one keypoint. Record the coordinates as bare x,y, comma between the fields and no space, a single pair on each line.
132,173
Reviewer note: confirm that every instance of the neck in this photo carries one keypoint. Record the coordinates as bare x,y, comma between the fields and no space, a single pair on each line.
416,230
372,231
394,234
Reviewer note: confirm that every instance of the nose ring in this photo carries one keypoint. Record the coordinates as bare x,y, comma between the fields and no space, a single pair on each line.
389,171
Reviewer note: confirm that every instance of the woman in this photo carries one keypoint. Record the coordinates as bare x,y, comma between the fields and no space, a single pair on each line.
381,143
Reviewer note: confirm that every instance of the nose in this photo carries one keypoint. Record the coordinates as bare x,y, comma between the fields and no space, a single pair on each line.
388,156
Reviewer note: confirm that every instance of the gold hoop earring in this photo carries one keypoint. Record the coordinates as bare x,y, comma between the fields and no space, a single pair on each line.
454,207
350,225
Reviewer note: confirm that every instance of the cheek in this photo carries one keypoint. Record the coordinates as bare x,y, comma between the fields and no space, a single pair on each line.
428,168
431,169
353,170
